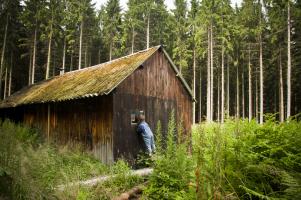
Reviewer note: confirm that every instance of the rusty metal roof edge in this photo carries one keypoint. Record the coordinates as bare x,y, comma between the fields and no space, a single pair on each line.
141,63
179,75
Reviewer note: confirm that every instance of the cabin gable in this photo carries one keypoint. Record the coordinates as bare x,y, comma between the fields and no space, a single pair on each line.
155,89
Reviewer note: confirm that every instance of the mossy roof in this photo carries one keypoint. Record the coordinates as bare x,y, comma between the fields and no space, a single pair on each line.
88,82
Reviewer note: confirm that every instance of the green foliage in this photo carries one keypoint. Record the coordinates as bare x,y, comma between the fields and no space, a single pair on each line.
112,27
235,160
172,169
254,160
31,169
159,138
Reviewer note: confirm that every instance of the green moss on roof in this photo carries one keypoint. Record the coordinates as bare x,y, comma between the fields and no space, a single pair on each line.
92,81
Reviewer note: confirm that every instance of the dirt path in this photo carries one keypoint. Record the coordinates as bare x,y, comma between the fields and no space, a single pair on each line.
100,179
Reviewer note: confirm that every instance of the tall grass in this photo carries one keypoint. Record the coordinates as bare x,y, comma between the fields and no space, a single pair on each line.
32,169
234,160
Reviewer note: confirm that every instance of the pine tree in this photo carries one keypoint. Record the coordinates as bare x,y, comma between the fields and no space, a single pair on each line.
148,6
10,35
54,10
193,25
161,26
288,113
3,53
260,64
112,26
133,24
83,7
180,51
32,18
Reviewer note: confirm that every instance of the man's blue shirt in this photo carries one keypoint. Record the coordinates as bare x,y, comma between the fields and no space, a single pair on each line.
148,137
144,130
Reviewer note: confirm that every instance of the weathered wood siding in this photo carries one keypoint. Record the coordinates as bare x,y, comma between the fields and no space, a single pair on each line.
155,89
87,121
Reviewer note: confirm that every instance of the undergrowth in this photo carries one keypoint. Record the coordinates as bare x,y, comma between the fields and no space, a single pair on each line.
234,160
173,167
31,168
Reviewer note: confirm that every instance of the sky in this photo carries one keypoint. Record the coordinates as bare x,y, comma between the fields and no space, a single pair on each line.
169,3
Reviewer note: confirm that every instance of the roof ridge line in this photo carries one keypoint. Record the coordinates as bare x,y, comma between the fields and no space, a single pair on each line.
108,62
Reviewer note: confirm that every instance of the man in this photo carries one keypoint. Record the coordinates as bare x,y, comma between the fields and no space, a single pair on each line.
146,133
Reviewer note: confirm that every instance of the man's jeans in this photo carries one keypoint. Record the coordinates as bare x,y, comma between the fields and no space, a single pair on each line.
149,144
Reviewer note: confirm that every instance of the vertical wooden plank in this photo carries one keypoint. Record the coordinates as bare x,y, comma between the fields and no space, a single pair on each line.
48,121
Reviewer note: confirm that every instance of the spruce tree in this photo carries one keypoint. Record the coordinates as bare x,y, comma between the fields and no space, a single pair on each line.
112,27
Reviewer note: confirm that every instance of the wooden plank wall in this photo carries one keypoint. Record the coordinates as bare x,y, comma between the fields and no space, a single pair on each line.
87,121
155,89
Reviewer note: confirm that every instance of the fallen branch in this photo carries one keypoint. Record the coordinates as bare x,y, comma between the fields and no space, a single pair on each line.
133,193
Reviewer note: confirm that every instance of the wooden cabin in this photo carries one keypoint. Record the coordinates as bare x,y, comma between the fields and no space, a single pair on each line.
97,105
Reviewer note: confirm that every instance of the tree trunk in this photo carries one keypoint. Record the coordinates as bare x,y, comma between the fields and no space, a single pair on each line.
71,61
237,93
261,71
228,87
223,87
10,74
275,100
5,83
200,96
243,93
49,54
90,59
261,83
288,113
3,53
211,71
80,45
30,67
111,46
281,100
208,80
34,54
147,31
250,85
218,98
256,95
54,64
86,56
133,39
194,86
64,57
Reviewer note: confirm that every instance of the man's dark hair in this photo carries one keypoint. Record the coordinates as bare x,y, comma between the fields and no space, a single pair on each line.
141,117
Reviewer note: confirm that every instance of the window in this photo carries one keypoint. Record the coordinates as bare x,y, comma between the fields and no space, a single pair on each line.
134,116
